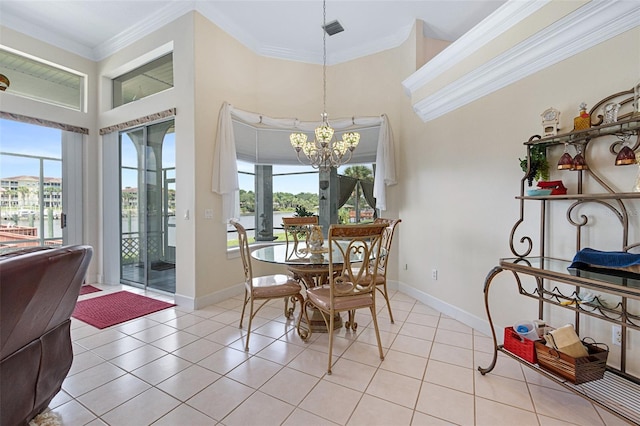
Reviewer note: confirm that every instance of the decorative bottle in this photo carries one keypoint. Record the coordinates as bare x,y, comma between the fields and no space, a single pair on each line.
583,120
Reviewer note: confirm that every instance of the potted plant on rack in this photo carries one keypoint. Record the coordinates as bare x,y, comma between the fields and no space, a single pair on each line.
539,165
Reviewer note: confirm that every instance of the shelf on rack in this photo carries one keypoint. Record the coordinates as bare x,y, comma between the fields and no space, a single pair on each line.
559,270
601,196
612,392
626,126
618,393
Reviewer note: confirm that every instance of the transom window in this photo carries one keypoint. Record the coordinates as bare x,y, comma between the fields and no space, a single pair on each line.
153,77
44,81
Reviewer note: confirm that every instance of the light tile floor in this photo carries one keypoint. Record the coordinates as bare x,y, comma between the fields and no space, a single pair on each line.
181,367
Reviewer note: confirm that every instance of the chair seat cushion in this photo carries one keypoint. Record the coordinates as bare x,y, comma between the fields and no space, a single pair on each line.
380,278
268,286
320,296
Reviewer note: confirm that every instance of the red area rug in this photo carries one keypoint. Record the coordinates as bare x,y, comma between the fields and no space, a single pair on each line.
86,289
115,308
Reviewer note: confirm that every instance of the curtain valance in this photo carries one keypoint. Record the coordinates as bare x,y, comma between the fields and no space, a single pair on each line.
138,121
225,171
43,122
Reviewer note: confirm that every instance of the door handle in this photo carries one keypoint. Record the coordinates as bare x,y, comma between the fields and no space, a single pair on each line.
63,220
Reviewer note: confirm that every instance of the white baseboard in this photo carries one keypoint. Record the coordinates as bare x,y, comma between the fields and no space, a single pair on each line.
210,299
187,302
477,323
480,324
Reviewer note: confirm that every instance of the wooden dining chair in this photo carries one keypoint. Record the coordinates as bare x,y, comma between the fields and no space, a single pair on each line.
354,253
296,229
381,276
263,288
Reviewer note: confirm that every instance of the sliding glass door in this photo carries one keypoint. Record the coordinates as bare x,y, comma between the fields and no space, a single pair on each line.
147,207
36,209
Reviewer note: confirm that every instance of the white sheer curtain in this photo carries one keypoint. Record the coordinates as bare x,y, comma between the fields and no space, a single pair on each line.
225,171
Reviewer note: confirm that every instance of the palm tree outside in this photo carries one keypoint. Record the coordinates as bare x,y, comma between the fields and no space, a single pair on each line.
23,191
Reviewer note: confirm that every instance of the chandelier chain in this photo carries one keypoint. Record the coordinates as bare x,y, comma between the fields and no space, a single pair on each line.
324,58
325,152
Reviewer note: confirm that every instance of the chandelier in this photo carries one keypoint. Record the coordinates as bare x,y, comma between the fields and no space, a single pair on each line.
325,152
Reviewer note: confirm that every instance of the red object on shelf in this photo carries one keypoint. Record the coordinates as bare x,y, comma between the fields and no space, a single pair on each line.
519,346
556,187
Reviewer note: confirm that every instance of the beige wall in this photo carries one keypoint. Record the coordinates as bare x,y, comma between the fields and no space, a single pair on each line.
227,71
460,173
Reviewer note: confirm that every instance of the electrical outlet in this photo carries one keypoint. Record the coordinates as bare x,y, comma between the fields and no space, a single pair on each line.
434,274
616,335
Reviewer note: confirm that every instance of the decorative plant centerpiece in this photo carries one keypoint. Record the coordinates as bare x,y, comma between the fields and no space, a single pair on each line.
301,211
539,165
302,230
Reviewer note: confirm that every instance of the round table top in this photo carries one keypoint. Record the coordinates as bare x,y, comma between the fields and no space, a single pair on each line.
282,254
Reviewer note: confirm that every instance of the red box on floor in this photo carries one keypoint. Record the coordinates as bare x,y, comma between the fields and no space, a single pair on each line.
519,346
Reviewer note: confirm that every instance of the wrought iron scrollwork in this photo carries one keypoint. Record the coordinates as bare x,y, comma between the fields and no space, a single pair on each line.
523,240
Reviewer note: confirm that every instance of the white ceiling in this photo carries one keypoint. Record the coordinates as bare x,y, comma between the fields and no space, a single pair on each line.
285,29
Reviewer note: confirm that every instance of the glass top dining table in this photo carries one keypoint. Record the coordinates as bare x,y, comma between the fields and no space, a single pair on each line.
286,255
311,269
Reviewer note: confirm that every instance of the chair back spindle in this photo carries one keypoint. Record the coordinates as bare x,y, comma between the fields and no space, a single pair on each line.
296,230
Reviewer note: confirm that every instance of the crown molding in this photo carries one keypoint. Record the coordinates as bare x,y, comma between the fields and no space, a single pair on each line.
174,9
209,11
309,57
229,26
372,47
593,23
37,32
336,57
155,20
505,17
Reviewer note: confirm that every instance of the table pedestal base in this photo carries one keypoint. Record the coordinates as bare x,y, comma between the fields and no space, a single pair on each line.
317,322
310,275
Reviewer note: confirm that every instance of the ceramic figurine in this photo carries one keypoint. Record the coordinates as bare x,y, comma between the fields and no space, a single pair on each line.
550,121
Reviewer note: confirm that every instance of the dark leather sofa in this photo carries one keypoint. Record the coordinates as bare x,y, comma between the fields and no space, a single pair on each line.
38,292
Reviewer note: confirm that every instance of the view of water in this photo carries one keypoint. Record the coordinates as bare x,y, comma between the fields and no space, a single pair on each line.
53,230
249,222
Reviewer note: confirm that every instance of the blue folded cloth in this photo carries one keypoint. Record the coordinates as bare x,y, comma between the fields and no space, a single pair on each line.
619,260
607,259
